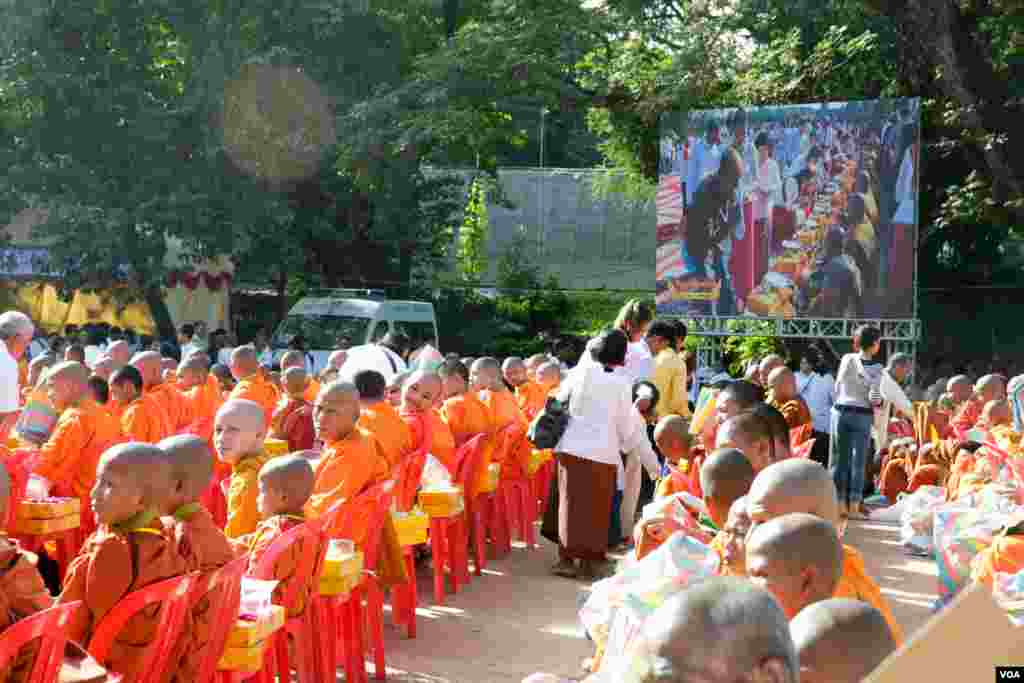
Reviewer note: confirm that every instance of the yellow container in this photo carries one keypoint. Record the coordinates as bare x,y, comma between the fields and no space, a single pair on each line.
442,502
248,633
342,567
493,477
338,586
275,447
42,527
537,459
52,508
244,659
411,527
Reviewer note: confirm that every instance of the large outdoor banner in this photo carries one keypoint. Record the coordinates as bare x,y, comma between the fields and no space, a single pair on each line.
800,211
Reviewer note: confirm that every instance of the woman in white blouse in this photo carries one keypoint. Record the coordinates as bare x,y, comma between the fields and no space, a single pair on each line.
601,427
767,185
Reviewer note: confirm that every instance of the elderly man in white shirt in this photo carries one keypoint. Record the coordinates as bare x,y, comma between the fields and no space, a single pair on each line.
384,356
894,399
16,331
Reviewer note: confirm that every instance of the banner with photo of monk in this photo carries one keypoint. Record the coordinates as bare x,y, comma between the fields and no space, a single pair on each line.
803,211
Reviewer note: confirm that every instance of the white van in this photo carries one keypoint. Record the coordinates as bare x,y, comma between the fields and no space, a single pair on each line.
364,316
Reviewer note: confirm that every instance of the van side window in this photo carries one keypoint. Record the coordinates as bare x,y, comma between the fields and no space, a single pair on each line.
379,331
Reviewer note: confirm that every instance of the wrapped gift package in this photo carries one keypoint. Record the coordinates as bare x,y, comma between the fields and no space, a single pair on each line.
411,527
47,516
442,502
343,569
249,631
275,447
493,477
245,659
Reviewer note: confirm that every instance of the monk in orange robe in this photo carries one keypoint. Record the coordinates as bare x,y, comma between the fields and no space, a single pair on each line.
142,417
202,392
462,410
293,417
988,388
675,443
804,486
252,385
530,397
84,430
786,399
179,412
238,433
486,380
287,483
22,590
1005,555
196,538
995,415
129,551
379,418
420,395
350,463
297,359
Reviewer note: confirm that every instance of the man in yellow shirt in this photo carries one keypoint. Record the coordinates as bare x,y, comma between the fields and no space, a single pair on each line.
669,370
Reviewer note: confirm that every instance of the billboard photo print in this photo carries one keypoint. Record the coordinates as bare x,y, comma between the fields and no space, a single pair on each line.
805,211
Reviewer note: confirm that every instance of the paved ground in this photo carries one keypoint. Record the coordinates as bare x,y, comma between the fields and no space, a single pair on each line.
517,619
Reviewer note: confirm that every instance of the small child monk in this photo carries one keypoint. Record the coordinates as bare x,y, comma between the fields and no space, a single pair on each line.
1006,554
238,434
395,386
293,417
725,477
202,390
797,558
286,483
840,641
297,359
252,385
549,377
194,534
731,543
486,379
995,414
420,396
674,441
462,410
379,418
129,551
166,394
786,399
142,418
530,396
752,435
801,485
533,364
22,590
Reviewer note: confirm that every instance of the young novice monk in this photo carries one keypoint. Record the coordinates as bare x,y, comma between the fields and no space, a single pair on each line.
530,397
797,558
224,378
379,418
801,485
177,409
840,641
296,359
750,434
731,542
549,377
463,411
725,477
420,395
238,434
200,388
252,384
142,418
22,590
130,550
286,483
674,441
486,380
786,399
293,417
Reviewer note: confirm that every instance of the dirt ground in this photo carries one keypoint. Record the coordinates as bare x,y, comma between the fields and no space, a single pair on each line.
517,619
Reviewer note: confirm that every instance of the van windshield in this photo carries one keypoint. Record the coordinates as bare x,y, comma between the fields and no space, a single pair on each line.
320,332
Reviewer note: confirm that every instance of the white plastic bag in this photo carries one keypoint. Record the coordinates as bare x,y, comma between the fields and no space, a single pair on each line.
256,597
38,488
916,520
435,475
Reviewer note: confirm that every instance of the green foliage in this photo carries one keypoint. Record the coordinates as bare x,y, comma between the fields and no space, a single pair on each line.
471,255
742,350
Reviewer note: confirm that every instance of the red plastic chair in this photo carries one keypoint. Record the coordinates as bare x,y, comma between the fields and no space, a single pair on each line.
226,585
174,593
301,629
541,483
347,646
49,627
449,535
514,510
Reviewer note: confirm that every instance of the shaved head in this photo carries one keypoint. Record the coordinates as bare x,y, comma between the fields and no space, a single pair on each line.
797,557
291,477
750,434
422,390
737,397
797,485
782,382
485,374
723,625
959,387
726,476
191,466
148,363
840,641
69,369
548,373
336,411
535,361
244,361
294,380
513,363
767,365
146,466
239,430
997,413
991,388
120,353
340,391
292,359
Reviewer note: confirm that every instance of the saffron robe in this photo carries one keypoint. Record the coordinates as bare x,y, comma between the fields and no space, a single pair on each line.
442,443
795,411
144,420
70,456
175,405
388,429
243,489
293,422
22,594
466,416
855,584
258,390
260,541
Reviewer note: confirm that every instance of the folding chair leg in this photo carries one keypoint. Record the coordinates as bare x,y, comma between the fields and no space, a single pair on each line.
437,546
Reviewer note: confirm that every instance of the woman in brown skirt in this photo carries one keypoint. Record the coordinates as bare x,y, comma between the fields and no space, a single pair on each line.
588,456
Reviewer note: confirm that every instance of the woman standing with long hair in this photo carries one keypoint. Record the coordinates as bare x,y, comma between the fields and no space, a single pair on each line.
633,320
857,382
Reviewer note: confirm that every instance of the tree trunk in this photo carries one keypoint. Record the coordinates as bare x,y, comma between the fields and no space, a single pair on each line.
161,316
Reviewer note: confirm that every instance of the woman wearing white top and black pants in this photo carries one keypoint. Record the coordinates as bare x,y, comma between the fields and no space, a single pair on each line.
852,417
601,427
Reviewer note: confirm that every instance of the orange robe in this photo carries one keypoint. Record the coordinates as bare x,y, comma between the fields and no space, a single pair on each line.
257,545
505,412
967,417
442,443
203,547
204,401
144,420
466,416
22,594
795,412
70,456
293,422
312,389
243,489
113,563
1006,555
257,389
175,405
855,584
531,398
390,431
894,480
